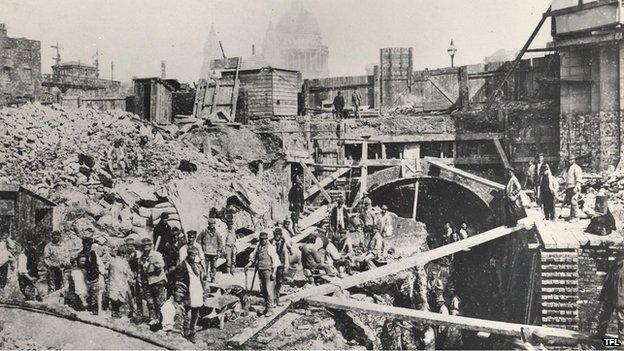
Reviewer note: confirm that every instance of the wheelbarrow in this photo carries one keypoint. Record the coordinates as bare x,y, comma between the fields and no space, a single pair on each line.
218,303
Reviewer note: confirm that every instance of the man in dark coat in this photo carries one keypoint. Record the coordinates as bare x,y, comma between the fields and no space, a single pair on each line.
296,200
612,296
339,103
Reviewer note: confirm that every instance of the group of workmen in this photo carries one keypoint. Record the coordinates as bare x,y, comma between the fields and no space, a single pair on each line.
539,178
339,104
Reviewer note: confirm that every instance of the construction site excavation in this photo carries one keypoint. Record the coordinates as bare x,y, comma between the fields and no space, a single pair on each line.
312,175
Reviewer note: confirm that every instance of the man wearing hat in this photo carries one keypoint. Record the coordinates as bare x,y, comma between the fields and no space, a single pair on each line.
56,258
287,227
284,251
93,270
189,277
441,332
265,259
512,204
153,279
191,241
133,255
338,218
573,178
296,200
537,172
230,247
385,222
212,246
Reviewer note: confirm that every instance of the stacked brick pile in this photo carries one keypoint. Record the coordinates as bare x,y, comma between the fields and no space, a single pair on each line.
559,288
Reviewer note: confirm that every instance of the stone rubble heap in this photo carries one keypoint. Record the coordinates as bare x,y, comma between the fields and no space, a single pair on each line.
61,153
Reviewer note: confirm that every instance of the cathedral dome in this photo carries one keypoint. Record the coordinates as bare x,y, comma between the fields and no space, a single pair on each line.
298,29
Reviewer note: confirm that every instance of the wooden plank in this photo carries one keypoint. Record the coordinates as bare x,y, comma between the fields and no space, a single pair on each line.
501,153
464,174
409,262
239,339
545,236
316,182
415,204
325,182
465,323
417,138
313,218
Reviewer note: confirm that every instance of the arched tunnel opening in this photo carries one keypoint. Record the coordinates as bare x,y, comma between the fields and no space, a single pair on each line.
488,278
439,201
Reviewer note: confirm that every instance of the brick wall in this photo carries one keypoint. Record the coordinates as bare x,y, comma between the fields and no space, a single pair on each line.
20,68
593,265
590,104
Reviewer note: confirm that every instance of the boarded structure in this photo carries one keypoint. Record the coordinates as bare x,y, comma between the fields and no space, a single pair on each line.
153,99
268,93
25,214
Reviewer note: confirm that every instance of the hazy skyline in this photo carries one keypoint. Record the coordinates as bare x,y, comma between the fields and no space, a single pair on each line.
139,34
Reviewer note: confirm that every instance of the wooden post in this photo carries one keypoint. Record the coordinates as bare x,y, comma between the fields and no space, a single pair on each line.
384,155
364,168
415,206
376,87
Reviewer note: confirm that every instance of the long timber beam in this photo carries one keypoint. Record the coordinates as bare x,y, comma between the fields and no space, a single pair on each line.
467,323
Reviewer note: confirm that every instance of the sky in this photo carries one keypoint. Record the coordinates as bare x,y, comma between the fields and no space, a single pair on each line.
138,34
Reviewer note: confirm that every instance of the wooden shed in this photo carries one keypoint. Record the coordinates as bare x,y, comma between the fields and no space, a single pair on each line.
153,99
267,92
25,214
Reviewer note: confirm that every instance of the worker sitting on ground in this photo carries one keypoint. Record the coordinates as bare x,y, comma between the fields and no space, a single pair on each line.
333,257
212,245
191,274
312,262
343,242
266,260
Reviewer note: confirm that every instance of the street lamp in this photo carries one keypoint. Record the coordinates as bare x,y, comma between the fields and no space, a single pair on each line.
452,50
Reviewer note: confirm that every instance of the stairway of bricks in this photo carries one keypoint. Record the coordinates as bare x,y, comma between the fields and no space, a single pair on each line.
559,288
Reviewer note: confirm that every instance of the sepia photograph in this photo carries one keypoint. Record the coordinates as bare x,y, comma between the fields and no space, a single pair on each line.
311,175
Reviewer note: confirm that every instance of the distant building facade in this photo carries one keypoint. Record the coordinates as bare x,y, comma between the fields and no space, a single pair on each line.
296,43
20,68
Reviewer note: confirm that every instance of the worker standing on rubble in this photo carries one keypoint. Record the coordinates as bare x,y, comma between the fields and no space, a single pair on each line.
25,280
265,259
116,159
573,178
385,222
133,256
548,189
339,217
120,278
463,231
287,227
230,247
212,245
356,101
162,233
284,251
56,258
296,201
612,298
153,279
339,103
189,278
512,199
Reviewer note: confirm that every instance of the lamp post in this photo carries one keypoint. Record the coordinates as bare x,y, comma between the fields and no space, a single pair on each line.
452,50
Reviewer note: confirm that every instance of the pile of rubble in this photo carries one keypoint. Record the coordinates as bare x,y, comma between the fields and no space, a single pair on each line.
62,154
